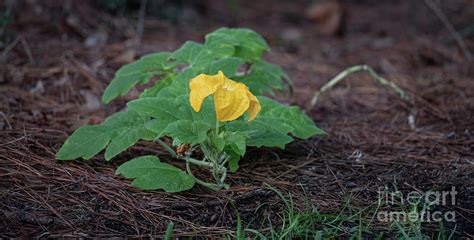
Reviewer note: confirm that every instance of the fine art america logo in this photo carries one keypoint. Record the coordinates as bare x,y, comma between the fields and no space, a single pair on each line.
421,205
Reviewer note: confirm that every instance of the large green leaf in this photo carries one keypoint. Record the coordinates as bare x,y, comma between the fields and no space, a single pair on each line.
172,109
180,84
228,66
174,117
121,85
223,45
118,132
273,124
261,133
158,107
139,71
125,139
85,142
151,174
273,73
206,114
159,85
247,44
187,131
128,128
256,82
264,77
193,53
303,126
270,74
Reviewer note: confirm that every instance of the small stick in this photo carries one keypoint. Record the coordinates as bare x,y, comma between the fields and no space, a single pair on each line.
354,69
9,48
27,50
450,28
141,20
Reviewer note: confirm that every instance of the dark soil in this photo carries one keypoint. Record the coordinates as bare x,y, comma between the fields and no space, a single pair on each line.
51,83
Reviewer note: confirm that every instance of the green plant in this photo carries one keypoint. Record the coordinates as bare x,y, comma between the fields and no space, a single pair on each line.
169,232
348,222
180,106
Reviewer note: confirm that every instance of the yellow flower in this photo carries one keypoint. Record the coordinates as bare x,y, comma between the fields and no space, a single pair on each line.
231,99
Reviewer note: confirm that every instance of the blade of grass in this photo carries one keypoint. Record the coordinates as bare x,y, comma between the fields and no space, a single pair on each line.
169,231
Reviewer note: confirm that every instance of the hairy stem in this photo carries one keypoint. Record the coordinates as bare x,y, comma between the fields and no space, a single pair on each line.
213,161
167,148
202,163
212,186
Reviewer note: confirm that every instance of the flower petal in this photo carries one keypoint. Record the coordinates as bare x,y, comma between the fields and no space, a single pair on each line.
254,106
202,86
231,100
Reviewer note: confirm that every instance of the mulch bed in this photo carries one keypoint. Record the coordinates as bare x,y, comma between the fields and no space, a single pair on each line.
50,83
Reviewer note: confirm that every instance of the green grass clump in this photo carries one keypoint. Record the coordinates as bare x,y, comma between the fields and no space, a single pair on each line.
348,223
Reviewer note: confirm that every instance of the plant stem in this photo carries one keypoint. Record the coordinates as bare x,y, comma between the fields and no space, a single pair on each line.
212,186
198,162
217,127
166,147
224,175
202,163
354,69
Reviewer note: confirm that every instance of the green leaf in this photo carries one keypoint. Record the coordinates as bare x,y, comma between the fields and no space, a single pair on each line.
172,114
256,82
236,142
248,44
260,133
206,114
128,128
269,138
222,45
218,142
151,174
163,109
137,72
273,73
121,85
228,66
85,143
118,132
126,138
187,131
179,85
303,126
273,124
234,162
264,77
157,126
159,85
193,53
235,148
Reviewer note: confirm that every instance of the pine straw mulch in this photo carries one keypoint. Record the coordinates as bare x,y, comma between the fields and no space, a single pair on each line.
370,143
